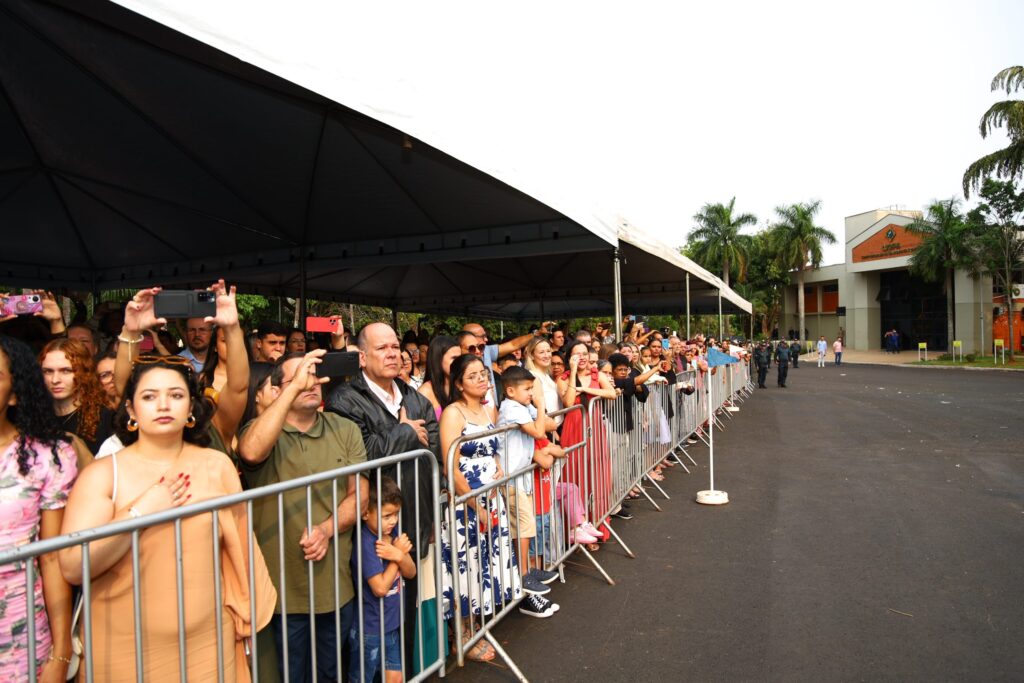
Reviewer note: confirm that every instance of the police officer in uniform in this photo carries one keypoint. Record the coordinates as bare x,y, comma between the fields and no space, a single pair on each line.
782,361
763,359
794,354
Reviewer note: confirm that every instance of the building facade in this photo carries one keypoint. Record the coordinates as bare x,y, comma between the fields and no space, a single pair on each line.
874,291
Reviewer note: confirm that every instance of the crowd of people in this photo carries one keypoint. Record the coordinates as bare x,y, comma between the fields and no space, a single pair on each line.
129,414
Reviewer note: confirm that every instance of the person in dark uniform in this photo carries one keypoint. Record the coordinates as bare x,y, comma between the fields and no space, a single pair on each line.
782,361
763,359
794,354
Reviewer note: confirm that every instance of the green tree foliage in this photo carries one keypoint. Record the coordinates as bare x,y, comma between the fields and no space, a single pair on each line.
943,248
797,242
1008,162
716,240
766,282
996,244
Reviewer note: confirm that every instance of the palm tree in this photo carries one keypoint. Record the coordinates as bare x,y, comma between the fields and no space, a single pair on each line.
718,237
943,248
1009,161
798,243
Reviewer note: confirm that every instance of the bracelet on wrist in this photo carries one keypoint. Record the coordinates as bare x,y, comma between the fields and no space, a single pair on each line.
121,338
58,658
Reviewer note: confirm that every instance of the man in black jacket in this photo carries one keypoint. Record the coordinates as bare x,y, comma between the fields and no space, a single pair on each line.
393,418
782,362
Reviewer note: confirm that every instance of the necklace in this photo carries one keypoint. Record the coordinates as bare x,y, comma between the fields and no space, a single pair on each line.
479,412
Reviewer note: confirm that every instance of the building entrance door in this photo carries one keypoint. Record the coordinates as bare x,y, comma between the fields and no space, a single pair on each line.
915,308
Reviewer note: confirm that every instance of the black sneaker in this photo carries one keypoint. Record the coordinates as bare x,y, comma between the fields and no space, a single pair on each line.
531,586
536,606
623,514
543,575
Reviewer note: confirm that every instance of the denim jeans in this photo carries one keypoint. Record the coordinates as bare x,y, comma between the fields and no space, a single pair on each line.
300,663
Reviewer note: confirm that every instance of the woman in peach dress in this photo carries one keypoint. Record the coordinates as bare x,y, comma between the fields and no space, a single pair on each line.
165,464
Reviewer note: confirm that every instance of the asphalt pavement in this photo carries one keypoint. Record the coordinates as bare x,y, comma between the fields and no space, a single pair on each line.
875,532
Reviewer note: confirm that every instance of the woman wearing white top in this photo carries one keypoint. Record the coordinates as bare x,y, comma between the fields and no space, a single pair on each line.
538,361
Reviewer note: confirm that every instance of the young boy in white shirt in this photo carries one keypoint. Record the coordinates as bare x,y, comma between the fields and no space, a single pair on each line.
523,408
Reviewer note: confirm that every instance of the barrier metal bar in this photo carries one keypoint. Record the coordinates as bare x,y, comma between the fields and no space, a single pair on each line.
28,553
494,497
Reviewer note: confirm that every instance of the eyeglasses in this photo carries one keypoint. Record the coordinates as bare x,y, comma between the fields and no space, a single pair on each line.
474,348
150,359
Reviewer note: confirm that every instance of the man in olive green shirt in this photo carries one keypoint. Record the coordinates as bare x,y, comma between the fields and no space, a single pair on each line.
292,439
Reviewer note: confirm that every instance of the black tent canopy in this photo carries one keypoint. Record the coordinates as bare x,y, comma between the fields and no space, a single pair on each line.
131,154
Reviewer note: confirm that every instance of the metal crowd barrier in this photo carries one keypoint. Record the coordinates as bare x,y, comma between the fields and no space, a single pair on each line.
495,586
593,479
26,556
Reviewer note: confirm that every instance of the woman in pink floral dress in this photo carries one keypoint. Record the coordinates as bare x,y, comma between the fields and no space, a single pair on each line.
37,468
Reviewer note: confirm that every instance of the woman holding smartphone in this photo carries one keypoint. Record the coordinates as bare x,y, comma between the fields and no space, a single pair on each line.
165,464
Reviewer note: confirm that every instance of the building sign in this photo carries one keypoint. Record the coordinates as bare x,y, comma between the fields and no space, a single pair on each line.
891,241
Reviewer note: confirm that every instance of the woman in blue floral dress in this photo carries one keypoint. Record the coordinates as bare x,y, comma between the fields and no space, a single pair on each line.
483,557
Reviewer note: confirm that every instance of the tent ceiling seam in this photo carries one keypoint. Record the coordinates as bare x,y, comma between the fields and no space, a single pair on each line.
126,217
391,175
312,177
46,173
17,186
145,118
162,200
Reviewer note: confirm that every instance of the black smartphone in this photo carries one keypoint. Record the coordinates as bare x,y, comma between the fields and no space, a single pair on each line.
184,303
338,364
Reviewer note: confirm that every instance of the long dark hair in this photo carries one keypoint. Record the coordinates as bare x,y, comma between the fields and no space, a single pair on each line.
459,367
258,374
202,407
568,354
33,414
210,364
435,369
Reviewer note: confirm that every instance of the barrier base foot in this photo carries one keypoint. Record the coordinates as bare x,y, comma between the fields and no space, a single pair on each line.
680,462
619,540
712,497
732,409
597,565
504,655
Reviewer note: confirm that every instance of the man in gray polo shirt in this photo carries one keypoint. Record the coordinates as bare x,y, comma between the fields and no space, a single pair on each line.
292,439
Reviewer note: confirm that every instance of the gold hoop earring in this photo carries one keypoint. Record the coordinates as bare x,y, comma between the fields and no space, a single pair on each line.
191,421
133,426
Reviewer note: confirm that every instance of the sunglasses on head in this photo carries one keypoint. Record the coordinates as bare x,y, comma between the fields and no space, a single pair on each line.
150,359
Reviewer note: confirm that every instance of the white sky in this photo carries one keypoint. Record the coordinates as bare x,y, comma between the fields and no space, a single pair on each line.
649,110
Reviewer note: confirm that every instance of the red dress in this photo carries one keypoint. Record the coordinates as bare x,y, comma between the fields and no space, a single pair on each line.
589,467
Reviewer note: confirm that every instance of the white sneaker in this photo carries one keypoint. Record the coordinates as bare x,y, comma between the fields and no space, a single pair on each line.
536,606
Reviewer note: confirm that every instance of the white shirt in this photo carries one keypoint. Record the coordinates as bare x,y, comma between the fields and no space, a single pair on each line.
519,445
822,346
392,401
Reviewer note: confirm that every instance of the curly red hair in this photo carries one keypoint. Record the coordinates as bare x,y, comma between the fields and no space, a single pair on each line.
89,393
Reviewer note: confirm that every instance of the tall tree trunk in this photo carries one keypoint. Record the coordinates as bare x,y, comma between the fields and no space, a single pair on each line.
1008,288
800,305
725,270
950,310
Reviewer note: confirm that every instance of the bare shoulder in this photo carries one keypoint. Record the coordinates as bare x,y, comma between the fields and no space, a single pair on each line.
97,476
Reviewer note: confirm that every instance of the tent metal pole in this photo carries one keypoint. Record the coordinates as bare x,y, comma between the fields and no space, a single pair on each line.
394,322
688,307
721,332
351,319
617,290
302,288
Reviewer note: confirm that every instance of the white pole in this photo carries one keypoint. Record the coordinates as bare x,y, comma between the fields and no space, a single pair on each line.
617,294
711,434
687,306
712,496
